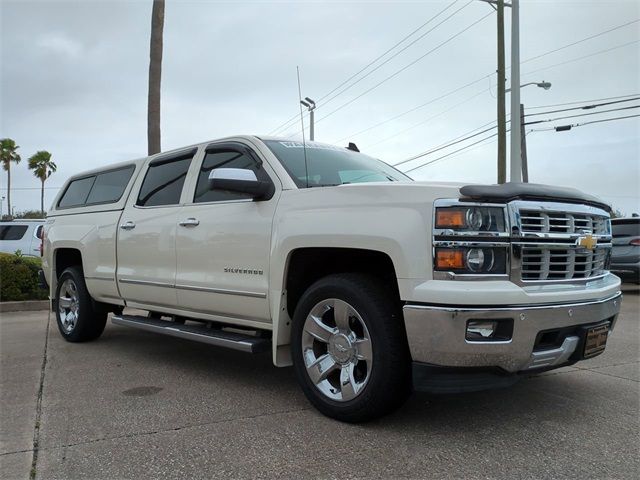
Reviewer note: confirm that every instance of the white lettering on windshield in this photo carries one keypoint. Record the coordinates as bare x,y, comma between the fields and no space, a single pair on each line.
312,145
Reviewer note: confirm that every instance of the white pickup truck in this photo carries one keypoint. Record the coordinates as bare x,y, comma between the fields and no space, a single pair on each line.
369,283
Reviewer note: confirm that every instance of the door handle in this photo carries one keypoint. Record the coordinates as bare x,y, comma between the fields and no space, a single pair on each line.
189,222
127,225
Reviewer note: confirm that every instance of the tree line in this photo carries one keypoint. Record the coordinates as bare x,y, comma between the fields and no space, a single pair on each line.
40,163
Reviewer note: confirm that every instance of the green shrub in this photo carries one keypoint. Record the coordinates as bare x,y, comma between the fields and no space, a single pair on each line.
19,278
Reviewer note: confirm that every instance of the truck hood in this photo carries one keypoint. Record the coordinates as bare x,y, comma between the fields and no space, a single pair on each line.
373,193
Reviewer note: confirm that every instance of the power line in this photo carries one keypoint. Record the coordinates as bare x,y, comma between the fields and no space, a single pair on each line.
581,41
490,75
582,101
590,37
451,153
440,45
581,115
379,57
569,127
469,135
396,45
581,58
442,147
465,101
403,68
585,107
495,134
433,100
400,51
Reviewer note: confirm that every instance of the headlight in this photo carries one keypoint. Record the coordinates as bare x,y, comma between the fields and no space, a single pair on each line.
471,260
470,219
470,240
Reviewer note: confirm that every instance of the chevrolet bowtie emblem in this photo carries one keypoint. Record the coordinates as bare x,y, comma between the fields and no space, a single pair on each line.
587,241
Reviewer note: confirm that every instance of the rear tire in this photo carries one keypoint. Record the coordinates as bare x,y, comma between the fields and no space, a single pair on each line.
349,348
78,320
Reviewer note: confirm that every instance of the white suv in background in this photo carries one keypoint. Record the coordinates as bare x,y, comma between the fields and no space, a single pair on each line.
22,235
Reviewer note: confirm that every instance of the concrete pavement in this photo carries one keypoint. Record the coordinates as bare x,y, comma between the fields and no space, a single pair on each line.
138,405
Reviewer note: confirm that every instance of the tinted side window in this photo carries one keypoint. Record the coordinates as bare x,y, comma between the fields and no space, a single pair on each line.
12,232
109,186
224,159
77,192
163,182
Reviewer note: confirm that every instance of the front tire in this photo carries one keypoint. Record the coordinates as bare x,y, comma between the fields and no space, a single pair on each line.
349,348
78,320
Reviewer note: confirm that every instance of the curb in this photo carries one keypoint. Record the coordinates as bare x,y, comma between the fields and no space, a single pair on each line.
25,306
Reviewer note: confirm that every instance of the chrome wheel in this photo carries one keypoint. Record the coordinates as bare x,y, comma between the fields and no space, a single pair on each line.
68,305
337,350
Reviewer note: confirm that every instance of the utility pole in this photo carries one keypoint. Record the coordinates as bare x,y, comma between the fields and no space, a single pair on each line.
502,115
523,145
516,140
311,106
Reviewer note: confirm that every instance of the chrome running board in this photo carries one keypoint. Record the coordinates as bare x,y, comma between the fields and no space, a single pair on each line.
198,333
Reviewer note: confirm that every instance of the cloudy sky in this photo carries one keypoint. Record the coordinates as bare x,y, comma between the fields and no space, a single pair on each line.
74,82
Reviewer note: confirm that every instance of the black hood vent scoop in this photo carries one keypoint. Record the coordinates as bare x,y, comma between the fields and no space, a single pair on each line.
509,191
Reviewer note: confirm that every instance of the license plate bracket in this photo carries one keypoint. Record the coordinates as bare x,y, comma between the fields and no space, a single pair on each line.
595,340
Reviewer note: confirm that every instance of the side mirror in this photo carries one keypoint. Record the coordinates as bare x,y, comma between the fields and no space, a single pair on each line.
240,180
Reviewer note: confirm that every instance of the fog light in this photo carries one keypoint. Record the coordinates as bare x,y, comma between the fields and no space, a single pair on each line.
480,329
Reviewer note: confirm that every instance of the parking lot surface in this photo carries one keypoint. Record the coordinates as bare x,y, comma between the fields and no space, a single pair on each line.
137,405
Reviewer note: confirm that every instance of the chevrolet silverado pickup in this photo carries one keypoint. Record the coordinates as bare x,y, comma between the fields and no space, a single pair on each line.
370,284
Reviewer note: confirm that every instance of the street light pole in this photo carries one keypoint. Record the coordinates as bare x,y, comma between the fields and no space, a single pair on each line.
502,114
516,153
311,106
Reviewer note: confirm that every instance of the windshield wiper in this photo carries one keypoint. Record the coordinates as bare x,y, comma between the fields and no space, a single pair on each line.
391,179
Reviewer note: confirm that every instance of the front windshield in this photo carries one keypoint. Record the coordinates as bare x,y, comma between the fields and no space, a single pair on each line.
329,165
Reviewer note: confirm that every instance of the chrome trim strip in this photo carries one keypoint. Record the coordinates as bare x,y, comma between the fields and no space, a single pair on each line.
538,306
146,282
573,281
194,288
471,244
442,275
557,245
221,291
555,356
205,315
106,279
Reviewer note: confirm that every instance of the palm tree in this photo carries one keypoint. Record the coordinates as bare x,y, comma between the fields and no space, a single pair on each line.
8,153
42,167
155,74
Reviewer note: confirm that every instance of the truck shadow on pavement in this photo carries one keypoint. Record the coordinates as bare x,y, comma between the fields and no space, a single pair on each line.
195,371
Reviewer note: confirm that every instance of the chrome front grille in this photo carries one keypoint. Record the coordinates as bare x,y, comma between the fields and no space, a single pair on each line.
533,221
539,262
556,242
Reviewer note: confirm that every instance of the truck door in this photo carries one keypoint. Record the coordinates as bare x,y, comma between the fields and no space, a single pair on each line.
223,241
147,234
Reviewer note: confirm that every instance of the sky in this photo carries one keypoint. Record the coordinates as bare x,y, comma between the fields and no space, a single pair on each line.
73,81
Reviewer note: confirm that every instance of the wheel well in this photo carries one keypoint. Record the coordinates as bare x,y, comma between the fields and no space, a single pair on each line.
67,257
307,265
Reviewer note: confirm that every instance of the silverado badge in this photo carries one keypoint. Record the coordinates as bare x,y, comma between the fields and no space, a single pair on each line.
587,241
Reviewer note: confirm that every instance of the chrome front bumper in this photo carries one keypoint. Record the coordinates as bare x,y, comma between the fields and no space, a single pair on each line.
436,334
